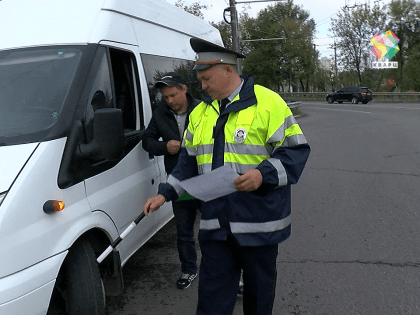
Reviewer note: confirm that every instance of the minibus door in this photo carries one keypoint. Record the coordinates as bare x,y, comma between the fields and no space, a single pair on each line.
122,189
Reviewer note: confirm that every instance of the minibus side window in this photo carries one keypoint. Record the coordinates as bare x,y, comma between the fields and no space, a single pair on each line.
127,94
125,83
118,70
114,84
156,66
100,95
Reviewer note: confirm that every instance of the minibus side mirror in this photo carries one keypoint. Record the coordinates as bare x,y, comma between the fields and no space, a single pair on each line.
108,136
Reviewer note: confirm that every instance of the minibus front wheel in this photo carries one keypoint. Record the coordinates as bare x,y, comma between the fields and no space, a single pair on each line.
79,283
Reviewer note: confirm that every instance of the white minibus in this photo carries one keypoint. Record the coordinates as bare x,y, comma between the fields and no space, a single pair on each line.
76,94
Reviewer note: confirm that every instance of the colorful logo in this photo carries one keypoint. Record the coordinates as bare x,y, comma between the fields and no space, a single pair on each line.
385,45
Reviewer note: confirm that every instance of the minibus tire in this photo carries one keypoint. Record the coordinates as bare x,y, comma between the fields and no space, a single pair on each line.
84,288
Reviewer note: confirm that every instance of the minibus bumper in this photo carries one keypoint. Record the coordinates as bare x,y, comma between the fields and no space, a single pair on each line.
29,291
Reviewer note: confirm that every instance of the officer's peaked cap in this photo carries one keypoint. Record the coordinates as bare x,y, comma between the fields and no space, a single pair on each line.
209,54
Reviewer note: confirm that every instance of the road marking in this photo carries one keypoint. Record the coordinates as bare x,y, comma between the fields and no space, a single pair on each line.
342,110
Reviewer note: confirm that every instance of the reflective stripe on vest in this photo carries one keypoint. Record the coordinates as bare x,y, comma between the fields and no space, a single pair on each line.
175,184
209,224
281,171
204,168
188,136
281,131
294,140
241,228
246,149
265,227
238,168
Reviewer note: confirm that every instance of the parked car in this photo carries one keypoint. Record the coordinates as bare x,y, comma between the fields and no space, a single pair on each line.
354,94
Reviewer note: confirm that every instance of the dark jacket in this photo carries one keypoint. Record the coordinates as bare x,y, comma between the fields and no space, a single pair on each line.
163,124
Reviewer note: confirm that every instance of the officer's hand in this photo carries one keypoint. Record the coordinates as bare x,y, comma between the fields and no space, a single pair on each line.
153,204
173,146
249,181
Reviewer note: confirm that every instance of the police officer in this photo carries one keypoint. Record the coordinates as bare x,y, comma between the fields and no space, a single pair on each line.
251,129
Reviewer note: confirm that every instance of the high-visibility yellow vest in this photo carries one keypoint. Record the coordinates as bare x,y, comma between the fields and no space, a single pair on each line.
250,135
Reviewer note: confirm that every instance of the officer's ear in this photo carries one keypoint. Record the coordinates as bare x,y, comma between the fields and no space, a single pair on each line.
229,68
233,69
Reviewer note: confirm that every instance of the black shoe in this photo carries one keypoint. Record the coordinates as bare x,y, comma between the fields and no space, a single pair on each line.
185,280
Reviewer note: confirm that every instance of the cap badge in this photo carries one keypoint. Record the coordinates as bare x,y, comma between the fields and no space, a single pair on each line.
240,135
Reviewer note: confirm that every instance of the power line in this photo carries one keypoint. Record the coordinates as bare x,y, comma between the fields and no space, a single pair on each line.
236,2
261,39
325,20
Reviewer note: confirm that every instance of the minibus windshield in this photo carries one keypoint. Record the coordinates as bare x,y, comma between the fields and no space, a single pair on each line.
33,86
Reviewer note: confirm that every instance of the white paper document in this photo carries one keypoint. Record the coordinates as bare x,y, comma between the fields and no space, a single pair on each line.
209,186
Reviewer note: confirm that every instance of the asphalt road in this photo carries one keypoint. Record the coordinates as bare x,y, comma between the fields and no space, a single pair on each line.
355,238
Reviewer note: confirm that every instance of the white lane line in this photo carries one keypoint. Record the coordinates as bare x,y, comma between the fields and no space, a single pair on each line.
341,110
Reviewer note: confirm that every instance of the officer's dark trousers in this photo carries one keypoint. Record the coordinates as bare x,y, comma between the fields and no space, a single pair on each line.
185,213
220,270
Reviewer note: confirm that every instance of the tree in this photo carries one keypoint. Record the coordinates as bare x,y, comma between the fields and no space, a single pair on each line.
412,69
195,8
404,16
194,85
324,78
353,29
287,56
225,32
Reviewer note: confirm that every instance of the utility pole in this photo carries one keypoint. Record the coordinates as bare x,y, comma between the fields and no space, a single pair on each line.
235,36
234,24
335,62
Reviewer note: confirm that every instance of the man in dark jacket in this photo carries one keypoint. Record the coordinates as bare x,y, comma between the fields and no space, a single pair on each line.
163,136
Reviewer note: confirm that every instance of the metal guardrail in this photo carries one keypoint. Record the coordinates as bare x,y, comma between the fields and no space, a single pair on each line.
293,104
394,94
389,94
301,93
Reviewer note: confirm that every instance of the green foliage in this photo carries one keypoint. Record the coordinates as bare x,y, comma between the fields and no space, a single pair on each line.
376,80
287,56
353,29
195,8
225,32
292,62
190,76
412,69
404,17
324,79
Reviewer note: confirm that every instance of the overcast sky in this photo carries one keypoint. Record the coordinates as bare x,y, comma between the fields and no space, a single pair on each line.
320,10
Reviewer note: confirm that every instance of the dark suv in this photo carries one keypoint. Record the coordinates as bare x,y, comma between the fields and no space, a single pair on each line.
354,94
